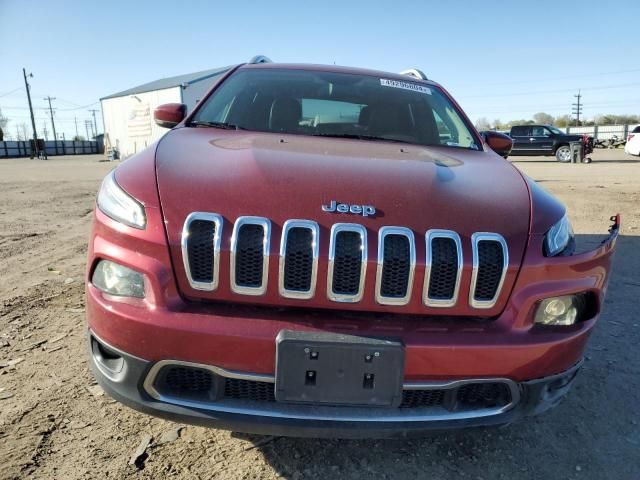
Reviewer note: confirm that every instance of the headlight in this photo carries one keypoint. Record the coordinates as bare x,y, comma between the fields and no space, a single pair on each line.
116,279
565,310
119,205
558,237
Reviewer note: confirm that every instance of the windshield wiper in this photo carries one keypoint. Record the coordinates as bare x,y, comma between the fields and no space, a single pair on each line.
223,125
357,136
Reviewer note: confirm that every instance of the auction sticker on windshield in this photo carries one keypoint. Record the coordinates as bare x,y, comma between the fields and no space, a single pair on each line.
405,85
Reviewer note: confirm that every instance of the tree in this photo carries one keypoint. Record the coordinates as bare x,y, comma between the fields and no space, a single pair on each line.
78,138
3,125
483,124
563,121
543,118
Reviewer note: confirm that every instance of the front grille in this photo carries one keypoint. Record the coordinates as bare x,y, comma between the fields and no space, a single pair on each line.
490,269
201,248
191,383
396,266
200,245
444,269
349,259
298,260
299,252
249,257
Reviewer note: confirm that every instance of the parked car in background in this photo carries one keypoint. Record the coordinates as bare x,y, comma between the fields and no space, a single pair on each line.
546,140
633,142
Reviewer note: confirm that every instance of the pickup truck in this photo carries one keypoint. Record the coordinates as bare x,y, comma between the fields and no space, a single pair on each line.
326,251
546,140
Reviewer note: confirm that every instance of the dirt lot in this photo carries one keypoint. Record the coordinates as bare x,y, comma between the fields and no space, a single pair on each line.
55,423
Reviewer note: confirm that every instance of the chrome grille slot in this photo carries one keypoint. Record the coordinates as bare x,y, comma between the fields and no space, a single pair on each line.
347,262
490,261
298,259
396,265
443,268
250,255
201,249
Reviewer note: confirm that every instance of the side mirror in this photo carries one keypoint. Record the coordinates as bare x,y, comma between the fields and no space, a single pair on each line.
499,142
169,114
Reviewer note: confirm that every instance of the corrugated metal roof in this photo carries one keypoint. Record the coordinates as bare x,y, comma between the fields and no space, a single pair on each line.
170,82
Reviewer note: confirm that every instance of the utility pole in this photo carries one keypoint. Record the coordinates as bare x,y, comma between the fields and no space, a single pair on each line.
53,124
93,112
44,130
33,120
86,126
577,108
75,119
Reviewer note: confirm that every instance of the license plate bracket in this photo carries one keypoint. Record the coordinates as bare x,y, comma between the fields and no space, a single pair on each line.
335,369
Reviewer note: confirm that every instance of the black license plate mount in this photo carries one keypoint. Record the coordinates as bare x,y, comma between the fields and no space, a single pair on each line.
335,369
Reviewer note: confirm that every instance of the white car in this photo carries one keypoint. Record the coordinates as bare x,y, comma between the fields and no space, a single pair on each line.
632,146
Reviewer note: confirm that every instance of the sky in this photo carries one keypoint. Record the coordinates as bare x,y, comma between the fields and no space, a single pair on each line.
500,60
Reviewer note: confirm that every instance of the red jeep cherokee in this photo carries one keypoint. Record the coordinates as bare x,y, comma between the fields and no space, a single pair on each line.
327,251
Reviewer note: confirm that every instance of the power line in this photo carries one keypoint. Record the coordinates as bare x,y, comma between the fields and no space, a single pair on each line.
9,93
607,87
553,79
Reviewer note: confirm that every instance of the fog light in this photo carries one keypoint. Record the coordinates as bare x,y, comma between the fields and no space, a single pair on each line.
118,280
565,310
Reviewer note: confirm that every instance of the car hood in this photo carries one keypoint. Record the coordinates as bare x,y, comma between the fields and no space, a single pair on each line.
281,177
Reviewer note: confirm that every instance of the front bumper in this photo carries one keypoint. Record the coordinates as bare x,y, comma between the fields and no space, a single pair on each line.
130,380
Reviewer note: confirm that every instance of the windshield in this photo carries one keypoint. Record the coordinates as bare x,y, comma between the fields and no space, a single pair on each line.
556,130
331,104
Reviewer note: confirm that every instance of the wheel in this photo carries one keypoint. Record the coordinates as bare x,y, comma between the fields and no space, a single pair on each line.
563,154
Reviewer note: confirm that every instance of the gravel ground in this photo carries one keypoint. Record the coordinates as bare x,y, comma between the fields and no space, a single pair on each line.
56,423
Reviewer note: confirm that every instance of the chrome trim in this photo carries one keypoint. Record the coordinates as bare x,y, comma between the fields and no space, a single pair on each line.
414,72
356,414
315,248
219,222
265,223
382,233
475,239
335,229
429,236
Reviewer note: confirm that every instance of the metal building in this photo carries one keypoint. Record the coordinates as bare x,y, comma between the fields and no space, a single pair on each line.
128,115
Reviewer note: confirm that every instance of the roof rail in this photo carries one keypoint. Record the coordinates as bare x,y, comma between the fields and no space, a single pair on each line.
414,72
260,59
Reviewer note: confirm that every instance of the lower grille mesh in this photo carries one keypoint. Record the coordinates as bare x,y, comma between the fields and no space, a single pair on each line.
192,383
490,261
188,379
347,263
249,256
396,266
249,390
200,249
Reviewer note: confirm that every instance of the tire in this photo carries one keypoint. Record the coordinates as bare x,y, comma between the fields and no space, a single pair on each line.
563,154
